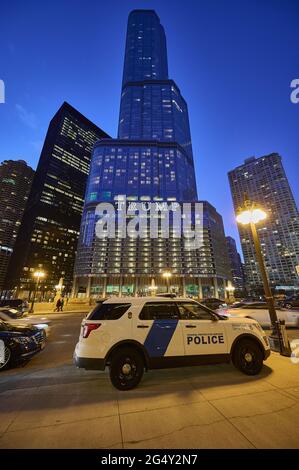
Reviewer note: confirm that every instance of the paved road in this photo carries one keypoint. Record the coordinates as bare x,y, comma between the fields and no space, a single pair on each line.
51,404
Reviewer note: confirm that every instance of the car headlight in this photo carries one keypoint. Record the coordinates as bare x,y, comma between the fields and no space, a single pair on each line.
22,339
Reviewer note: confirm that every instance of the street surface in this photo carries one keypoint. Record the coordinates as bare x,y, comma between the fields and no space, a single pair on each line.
49,403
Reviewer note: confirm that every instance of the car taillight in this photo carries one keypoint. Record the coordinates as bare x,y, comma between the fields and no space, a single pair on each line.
89,327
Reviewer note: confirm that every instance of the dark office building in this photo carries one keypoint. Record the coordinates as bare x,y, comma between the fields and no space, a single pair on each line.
265,182
49,233
150,161
15,183
235,264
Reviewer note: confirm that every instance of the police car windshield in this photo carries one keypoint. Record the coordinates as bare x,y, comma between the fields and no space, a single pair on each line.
108,311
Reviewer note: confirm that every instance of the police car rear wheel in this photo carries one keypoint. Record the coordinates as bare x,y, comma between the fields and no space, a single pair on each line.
126,369
248,357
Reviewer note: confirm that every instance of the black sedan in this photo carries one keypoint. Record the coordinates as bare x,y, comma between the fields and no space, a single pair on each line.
19,343
291,302
213,303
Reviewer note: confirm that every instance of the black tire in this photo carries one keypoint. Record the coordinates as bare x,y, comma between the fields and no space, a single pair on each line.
126,368
248,357
7,359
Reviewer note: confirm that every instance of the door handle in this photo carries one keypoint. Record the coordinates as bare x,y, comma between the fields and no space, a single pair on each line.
142,326
190,326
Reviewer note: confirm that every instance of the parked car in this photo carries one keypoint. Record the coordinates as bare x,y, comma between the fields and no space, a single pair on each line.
213,303
291,302
259,312
20,343
17,304
14,317
143,333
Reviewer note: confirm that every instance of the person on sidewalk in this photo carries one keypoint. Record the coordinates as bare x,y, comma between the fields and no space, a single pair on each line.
61,304
58,306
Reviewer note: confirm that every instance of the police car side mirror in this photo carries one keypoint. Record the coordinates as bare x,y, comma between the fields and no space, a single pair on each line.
215,317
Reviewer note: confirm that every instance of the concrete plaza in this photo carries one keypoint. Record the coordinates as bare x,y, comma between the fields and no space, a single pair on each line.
50,404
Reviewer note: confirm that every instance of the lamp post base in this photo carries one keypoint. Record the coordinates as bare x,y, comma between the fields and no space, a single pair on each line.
279,341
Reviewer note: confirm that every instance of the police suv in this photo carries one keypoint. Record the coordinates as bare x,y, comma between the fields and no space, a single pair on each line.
130,335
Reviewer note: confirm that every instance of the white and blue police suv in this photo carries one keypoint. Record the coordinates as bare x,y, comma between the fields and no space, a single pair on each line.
130,335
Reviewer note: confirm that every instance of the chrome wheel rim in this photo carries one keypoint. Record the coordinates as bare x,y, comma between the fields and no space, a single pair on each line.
126,369
6,357
248,357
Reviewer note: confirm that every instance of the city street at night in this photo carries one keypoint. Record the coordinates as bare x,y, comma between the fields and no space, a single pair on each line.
49,403
149,231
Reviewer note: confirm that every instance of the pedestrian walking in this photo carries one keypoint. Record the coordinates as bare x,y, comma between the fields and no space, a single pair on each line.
58,306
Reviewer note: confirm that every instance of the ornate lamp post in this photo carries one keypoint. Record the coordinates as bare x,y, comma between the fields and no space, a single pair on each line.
230,293
167,275
38,275
251,214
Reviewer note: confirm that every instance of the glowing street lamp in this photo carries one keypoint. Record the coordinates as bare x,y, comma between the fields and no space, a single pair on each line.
38,276
230,292
167,275
251,214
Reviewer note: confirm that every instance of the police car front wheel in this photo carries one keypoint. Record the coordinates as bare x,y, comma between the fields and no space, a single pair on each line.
248,357
126,368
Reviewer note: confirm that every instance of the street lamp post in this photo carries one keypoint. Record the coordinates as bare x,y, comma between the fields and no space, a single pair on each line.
250,214
167,275
230,292
38,275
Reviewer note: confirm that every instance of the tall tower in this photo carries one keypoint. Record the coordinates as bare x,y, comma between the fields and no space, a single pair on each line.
49,232
151,160
265,182
15,183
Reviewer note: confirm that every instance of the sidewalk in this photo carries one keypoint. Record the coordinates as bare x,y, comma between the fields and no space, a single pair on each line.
46,308
198,407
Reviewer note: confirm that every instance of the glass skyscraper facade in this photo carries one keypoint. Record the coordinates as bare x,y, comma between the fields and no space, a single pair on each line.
152,157
238,279
15,184
48,236
151,160
265,182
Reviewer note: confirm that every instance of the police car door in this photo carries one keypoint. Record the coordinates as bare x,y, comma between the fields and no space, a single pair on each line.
203,335
158,329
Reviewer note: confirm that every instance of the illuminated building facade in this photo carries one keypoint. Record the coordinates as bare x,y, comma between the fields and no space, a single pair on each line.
265,182
150,161
50,228
15,183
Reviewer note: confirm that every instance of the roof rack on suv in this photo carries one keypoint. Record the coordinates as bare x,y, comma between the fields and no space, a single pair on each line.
168,295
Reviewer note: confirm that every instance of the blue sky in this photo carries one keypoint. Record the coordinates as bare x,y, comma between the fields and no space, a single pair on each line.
232,60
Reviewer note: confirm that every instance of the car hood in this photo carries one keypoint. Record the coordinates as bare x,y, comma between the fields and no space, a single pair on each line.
19,329
238,318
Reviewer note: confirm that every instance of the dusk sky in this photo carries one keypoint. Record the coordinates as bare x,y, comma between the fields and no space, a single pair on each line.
232,60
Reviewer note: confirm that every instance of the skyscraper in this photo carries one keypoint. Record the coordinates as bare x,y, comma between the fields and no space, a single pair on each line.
50,228
265,182
150,161
15,183
235,264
